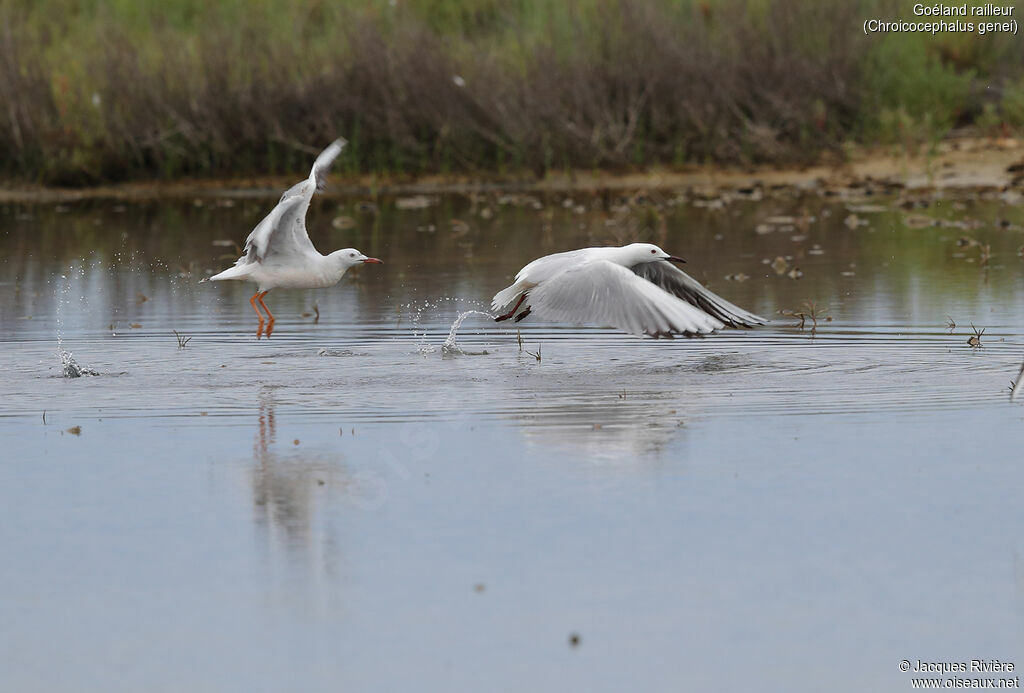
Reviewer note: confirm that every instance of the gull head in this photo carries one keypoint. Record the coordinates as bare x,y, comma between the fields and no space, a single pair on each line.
648,252
350,257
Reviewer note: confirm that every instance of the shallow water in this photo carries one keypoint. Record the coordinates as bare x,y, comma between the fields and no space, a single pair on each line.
370,500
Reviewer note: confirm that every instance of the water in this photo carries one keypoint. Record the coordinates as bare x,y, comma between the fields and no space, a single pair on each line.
355,504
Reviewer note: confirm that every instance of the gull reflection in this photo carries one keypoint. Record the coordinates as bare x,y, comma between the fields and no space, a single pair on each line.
602,432
291,488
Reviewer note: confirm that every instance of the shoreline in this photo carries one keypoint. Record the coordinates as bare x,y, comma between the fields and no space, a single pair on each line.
955,164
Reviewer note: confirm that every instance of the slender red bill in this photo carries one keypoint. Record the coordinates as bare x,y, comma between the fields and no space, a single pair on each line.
673,258
372,261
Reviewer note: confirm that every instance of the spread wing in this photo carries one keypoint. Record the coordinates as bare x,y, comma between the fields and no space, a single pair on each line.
678,283
604,293
317,180
275,235
283,231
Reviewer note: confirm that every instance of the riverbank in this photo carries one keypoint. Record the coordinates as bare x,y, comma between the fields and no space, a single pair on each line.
98,92
962,163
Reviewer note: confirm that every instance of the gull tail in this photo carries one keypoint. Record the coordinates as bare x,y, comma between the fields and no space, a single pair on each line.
506,297
234,272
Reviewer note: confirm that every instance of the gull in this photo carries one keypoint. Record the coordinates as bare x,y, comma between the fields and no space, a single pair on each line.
278,252
635,288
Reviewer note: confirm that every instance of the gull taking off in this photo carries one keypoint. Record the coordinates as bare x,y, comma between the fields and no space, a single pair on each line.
635,288
278,252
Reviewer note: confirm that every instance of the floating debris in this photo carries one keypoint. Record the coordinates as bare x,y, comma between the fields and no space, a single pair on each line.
738,277
808,310
794,273
335,352
315,314
918,221
866,209
343,222
1015,384
780,265
975,339
414,202
75,430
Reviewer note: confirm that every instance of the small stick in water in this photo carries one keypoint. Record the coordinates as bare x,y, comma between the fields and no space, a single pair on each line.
1016,384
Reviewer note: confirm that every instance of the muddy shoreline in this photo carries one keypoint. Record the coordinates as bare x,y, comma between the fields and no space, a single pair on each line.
960,164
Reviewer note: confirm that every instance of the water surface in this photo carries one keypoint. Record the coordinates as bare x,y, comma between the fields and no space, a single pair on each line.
350,504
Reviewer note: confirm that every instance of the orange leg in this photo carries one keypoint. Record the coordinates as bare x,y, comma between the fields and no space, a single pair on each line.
270,322
252,302
512,312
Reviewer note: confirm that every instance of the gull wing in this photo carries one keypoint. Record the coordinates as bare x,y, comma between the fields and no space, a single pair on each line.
605,293
275,235
317,180
667,276
283,231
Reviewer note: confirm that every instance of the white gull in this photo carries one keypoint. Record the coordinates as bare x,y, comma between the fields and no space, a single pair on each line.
635,288
278,252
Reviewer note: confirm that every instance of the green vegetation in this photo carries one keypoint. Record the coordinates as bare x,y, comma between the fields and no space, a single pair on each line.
108,90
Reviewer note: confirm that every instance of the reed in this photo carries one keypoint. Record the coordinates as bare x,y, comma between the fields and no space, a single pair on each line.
97,91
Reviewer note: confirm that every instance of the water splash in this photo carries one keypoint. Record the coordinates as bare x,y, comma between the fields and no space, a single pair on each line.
68,366
450,346
417,309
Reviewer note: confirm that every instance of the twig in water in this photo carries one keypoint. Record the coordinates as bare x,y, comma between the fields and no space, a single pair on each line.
975,339
950,324
316,314
182,341
519,338
808,310
1015,384
537,355
984,254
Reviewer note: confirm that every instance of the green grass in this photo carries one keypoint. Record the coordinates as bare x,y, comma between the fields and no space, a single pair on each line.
111,90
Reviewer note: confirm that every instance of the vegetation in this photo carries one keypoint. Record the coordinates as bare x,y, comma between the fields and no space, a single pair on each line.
107,90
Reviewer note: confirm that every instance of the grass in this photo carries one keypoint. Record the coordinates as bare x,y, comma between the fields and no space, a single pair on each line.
96,91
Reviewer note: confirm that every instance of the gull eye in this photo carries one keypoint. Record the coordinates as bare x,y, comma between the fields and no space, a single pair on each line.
351,254
653,252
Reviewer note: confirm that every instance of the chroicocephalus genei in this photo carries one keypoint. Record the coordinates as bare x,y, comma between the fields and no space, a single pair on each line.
278,252
634,288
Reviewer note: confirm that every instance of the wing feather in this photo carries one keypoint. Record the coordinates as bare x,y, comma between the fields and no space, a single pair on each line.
324,161
605,293
267,238
681,285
